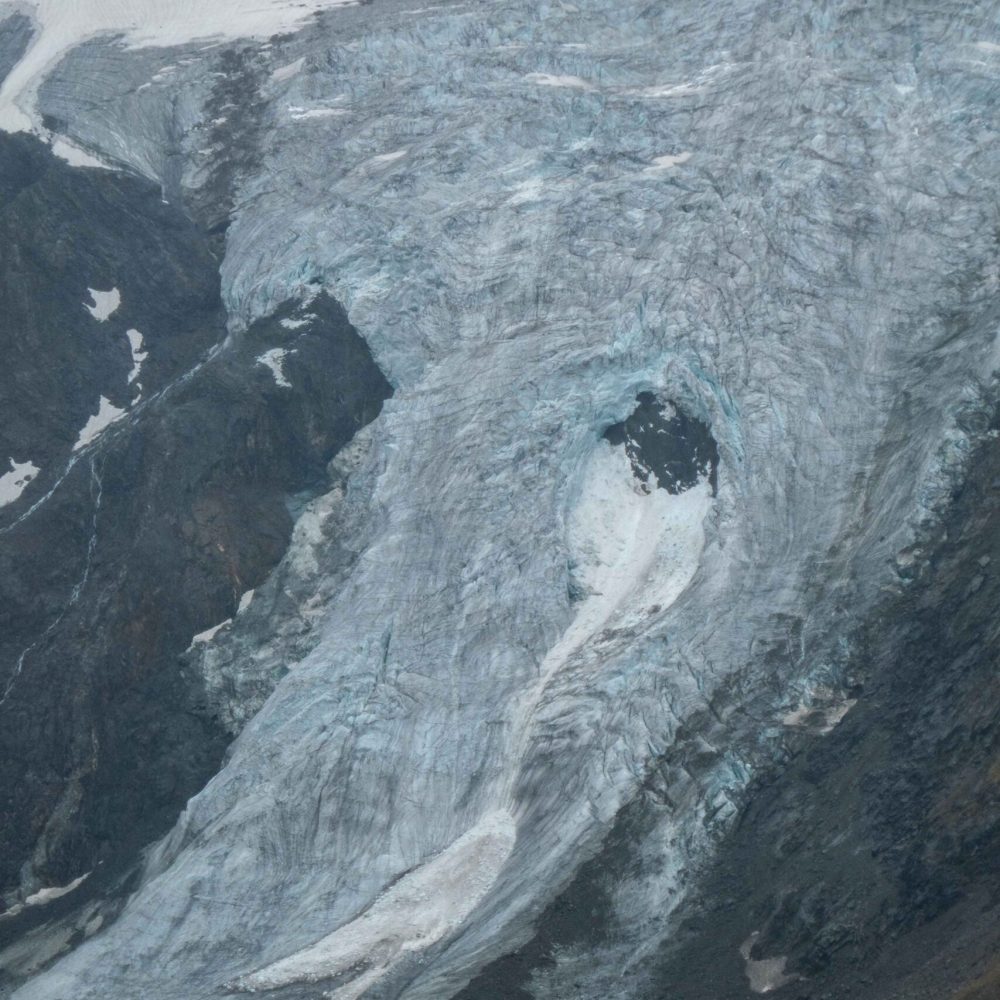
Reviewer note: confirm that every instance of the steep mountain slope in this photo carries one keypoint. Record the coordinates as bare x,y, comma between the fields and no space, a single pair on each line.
690,312
163,462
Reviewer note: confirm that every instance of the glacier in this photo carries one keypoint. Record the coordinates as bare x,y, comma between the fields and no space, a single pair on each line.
782,218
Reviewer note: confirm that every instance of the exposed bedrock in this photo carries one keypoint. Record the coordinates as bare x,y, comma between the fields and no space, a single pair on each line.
15,35
169,465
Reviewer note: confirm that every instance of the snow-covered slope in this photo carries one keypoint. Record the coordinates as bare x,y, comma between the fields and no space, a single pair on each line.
59,26
780,218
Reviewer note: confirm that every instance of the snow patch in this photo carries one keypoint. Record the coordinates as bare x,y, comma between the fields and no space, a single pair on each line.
275,360
296,324
138,356
244,602
765,974
397,154
671,90
75,156
422,907
632,547
209,634
164,72
44,896
107,414
667,162
634,551
527,191
105,303
14,482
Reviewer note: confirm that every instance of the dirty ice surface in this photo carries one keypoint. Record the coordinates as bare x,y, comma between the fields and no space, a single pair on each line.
821,719
139,355
419,909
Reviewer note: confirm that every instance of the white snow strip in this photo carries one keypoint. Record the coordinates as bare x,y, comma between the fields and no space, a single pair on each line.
138,356
14,482
288,71
397,154
244,602
164,73
44,896
275,360
421,908
63,24
987,46
297,324
671,90
107,414
209,634
551,80
105,303
306,115
667,162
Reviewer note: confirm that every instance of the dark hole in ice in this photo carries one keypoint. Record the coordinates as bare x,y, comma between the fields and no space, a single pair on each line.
662,441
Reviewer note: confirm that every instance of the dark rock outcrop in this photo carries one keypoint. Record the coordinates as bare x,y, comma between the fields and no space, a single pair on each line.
664,442
15,35
121,550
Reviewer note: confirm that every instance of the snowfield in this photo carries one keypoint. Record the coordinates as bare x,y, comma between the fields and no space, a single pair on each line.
140,23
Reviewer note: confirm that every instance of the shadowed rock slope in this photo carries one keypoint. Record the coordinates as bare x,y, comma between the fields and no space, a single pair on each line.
125,546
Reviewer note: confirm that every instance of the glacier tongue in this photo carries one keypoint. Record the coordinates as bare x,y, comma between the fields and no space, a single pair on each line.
420,908
809,281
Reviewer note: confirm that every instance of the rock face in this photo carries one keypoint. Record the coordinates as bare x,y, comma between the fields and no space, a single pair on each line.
570,657
667,448
136,534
